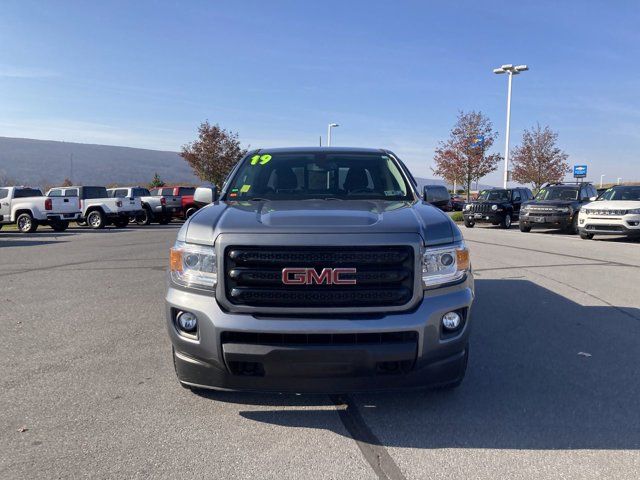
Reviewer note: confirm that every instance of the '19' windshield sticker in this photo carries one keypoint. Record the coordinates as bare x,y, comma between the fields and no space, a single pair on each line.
260,158
245,188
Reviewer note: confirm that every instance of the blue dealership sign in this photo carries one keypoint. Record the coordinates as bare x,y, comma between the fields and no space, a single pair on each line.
478,141
579,171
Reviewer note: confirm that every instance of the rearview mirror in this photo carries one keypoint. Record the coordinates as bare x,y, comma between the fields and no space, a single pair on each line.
205,195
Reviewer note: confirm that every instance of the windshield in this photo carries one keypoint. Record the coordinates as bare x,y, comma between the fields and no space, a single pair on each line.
495,195
631,193
300,176
557,193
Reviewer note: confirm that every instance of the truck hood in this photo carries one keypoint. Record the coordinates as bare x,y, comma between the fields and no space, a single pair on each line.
613,205
551,203
321,217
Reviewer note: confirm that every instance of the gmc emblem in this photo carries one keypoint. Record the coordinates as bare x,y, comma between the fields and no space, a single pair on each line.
309,276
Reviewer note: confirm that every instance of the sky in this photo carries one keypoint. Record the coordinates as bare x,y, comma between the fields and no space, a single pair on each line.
392,74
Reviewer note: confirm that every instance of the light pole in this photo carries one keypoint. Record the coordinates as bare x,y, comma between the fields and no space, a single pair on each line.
511,71
601,179
329,127
619,180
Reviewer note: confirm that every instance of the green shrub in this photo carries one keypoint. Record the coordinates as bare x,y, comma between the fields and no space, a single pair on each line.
457,217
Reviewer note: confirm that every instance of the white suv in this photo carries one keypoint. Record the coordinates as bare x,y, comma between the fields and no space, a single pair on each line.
615,212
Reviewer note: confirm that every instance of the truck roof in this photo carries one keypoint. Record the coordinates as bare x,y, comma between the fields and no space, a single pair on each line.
320,150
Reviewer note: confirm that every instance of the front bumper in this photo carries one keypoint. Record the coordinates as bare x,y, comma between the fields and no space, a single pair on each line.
534,220
485,217
628,225
425,357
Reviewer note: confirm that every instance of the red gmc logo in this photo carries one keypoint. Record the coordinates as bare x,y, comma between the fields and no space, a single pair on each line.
309,276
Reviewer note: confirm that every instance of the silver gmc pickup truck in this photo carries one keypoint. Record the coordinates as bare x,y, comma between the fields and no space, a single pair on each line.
319,270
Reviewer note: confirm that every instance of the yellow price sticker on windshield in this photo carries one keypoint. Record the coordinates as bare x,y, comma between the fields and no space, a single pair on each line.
260,158
245,188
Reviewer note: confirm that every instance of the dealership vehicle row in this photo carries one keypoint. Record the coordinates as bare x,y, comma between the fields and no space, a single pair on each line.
94,206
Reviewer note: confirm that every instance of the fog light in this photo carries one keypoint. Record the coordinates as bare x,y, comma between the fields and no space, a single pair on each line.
451,320
187,321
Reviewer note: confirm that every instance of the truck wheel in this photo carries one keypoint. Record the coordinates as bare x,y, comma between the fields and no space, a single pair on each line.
121,222
145,217
96,219
469,223
506,221
59,225
81,223
164,220
190,211
524,228
26,223
586,236
456,383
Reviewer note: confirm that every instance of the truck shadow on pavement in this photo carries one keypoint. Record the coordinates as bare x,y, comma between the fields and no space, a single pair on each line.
4,243
544,373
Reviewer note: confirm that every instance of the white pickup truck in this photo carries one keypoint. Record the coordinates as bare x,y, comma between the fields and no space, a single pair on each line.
28,208
154,208
97,209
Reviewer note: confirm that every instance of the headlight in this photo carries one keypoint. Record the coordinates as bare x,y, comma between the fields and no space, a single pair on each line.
634,211
193,265
524,208
444,264
467,206
494,207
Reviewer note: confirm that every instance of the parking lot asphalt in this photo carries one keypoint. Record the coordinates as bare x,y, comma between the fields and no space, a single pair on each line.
88,388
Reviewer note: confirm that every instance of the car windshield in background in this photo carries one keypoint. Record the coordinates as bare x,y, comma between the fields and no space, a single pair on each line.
557,193
495,195
302,176
622,193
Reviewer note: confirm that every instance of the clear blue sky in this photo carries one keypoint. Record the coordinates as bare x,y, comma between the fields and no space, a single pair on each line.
393,74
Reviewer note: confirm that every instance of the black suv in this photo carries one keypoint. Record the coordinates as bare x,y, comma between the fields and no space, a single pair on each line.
499,206
556,206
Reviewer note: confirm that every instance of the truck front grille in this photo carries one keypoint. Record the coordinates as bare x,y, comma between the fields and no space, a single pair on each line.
480,208
384,276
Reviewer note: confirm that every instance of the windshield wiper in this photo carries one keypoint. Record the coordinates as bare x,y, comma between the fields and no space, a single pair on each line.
258,199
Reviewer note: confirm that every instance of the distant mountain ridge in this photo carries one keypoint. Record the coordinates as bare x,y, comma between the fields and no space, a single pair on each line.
48,162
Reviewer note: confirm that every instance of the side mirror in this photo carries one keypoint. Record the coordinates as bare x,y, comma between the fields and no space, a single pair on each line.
424,194
205,195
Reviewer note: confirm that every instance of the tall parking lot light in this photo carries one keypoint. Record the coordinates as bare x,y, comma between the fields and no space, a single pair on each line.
329,127
601,179
511,71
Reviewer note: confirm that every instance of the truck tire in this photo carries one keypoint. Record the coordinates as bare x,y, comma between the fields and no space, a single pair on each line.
26,223
190,211
586,235
525,228
96,219
59,225
81,223
506,221
121,222
469,223
145,217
